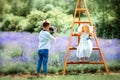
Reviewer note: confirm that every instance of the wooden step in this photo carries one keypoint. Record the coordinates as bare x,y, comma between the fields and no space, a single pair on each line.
75,34
81,9
79,22
93,62
96,48
74,48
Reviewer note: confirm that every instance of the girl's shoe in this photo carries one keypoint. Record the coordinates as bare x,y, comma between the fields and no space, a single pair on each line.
86,60
81,60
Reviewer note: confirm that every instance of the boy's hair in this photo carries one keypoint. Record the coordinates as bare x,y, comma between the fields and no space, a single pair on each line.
46,24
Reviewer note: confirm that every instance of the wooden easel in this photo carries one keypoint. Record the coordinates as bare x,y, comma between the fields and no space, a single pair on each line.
80,10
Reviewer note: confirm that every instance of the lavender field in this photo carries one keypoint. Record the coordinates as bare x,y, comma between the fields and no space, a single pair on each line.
20,49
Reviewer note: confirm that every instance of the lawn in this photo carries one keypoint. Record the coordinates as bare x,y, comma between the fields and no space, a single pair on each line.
67,77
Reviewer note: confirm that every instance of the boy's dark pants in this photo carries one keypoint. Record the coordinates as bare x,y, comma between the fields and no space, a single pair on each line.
42,59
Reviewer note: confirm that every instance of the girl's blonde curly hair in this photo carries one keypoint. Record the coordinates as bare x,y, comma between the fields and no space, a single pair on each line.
89,29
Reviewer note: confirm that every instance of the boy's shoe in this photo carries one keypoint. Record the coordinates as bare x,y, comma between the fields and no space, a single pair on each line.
36,74
45,75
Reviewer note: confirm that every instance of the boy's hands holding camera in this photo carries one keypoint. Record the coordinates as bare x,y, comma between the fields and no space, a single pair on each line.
53,30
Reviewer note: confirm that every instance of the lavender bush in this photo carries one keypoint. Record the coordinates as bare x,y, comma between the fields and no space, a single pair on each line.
21,47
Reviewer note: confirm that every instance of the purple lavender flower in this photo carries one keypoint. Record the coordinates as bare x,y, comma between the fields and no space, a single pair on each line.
29,44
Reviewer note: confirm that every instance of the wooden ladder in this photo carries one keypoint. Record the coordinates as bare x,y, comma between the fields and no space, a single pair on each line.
80,10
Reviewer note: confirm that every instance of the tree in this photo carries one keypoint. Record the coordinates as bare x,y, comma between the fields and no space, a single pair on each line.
21,7
108,18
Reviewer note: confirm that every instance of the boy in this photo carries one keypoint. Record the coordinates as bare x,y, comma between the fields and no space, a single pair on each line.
44,45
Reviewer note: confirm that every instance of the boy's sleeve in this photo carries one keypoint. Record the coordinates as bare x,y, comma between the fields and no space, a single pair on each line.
51,37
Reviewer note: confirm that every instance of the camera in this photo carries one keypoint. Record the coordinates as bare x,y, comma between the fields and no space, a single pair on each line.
51,29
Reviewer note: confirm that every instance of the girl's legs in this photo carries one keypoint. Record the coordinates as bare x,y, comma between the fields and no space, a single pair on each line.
86,54
81,55
81,59
86,58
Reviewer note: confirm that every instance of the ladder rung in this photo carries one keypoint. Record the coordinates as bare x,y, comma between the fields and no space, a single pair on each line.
96,48
82,22
81,9
74,48
71,62
75,34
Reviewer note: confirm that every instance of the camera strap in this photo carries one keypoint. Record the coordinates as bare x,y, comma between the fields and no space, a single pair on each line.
44,30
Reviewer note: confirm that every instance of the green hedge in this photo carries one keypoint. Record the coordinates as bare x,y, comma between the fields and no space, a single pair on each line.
33,21
23,68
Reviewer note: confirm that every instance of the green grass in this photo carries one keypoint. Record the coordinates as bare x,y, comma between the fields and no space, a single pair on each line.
23,68
67,77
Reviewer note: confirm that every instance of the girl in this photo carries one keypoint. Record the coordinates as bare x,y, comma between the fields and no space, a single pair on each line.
84,48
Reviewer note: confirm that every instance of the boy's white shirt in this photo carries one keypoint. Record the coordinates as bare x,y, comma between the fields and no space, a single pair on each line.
44,40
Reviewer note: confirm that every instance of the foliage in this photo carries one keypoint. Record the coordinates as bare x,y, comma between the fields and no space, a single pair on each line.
104,14
13,51
48,7
2,3
10,23
33,22
13,68
21,7
57,20
108,18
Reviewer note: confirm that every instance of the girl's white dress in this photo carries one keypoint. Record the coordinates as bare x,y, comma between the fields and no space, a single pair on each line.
84,49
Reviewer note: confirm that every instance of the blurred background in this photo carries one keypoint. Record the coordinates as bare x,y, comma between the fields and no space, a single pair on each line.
21,21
